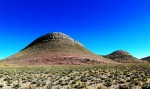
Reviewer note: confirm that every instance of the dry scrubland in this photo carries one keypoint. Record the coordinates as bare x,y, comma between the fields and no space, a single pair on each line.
122,76
58,48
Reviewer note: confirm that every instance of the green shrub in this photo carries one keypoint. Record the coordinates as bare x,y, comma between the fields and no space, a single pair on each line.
124,87
146,86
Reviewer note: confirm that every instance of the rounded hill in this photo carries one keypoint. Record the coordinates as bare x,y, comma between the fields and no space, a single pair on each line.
122,56
56,48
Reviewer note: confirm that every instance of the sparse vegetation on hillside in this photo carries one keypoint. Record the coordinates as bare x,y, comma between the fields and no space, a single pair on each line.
51,46
55,48
122,56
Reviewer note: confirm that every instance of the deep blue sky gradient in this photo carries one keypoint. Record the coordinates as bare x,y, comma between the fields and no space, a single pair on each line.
103,26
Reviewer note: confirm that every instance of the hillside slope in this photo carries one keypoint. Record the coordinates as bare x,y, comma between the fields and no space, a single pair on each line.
146,59
122,57
56,48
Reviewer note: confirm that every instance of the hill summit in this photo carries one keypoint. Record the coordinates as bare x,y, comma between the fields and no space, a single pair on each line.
56,48
53,37
122,56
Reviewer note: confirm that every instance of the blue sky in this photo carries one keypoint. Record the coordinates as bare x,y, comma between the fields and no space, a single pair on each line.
103,26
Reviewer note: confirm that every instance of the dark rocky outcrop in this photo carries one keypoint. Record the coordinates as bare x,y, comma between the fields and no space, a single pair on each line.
146,59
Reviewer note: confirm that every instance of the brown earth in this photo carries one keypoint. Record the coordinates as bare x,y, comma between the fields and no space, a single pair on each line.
57,58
